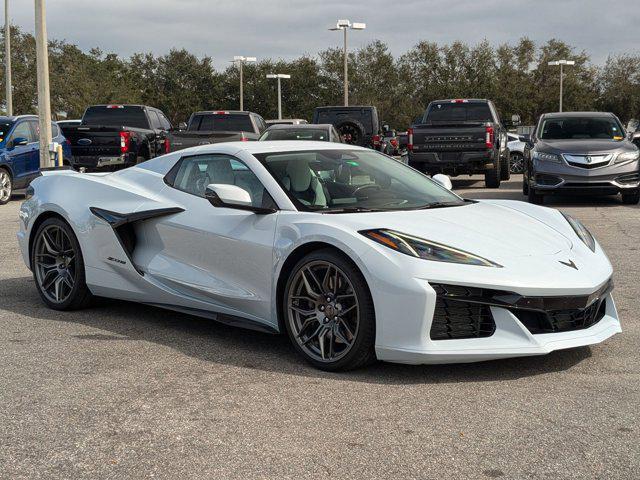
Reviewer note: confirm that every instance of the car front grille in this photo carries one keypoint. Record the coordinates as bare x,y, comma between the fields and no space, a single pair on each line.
562,320
465,312
457,319
588,161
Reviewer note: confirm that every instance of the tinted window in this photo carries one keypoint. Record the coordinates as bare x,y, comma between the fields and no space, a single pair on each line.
459,112
363,179
195,173
164,122
222,122
23,130
4,129
155,120
115,116
317,134
575,128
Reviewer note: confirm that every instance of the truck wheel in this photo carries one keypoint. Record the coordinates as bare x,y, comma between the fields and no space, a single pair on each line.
505,167
492,177
535,197
632,198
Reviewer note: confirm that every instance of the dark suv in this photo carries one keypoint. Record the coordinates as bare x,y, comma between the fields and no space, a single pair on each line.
581,153
357,125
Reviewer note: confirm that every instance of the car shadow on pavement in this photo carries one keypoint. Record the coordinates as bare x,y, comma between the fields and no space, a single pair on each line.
210,341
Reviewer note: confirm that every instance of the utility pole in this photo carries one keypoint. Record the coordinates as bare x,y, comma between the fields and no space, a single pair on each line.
241,60
345,25
561,63
44,98
279,76
7,58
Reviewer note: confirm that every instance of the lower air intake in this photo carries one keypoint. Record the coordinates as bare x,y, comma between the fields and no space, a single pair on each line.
457,319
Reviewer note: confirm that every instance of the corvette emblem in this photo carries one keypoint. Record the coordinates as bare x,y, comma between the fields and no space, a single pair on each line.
569,264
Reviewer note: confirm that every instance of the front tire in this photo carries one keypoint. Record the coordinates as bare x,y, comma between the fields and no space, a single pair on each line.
534,197
516,165
328,312
6,186
58,266
505,167
632,198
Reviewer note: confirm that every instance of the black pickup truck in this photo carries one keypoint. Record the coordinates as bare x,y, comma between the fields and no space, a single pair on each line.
218,126
117,136
460,136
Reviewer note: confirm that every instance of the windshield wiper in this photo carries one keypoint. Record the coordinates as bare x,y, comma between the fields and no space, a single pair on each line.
444,204
350,210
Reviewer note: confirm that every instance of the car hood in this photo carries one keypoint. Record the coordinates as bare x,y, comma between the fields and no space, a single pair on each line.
584,146
492,231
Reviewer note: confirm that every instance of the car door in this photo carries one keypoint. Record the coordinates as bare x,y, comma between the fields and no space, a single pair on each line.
21,156
158,131
220,256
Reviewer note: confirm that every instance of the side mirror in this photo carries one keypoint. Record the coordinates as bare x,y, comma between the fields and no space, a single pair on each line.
526,138
18,142
182,126
232,196
443,180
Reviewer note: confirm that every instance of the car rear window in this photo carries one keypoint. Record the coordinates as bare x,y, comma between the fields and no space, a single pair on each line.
459,112
115,116
318,134
221,122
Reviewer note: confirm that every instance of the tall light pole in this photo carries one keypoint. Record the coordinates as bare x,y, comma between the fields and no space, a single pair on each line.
44,98
7,58
240,60
345,25
562,63
279,76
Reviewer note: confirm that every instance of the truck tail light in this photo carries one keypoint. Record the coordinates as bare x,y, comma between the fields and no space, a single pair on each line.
376,140
394,142
490,137
243,138
125,141
167,145
410,139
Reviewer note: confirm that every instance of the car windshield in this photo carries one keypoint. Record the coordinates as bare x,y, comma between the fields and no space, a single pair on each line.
579,128
339,181
317,134
5,127
458,112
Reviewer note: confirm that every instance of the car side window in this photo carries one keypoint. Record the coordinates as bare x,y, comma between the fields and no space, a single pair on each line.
154,120
193,174
23,130
164,122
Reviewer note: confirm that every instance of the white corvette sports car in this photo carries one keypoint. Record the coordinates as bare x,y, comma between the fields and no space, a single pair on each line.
352,254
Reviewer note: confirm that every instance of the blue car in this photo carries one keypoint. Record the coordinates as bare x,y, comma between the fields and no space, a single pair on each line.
20,152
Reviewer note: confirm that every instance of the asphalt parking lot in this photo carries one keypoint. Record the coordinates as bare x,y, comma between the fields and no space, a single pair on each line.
128,391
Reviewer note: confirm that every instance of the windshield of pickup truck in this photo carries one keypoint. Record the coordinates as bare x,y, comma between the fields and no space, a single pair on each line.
577,128
115,116
346,181
318,134
458,112
221,122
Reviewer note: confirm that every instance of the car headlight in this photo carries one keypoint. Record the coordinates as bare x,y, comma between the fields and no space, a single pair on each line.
582,232
421,248
546,157
627,157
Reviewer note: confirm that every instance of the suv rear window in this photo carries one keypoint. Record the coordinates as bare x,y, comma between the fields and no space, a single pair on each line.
115,116
220,122
459,112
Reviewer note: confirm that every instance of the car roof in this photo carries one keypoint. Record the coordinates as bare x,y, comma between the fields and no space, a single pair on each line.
13,118
466,100
303,126
272,146
244,112
577,114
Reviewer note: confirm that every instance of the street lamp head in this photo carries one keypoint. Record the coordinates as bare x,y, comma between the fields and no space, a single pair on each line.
250,59
554,63
240,58
358,26
343,23
278,75
561,62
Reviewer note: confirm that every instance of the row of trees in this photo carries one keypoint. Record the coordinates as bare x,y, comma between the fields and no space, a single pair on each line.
516,77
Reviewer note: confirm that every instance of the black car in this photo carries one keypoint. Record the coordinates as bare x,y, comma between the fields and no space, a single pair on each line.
357,125
117,136
320,133
460,136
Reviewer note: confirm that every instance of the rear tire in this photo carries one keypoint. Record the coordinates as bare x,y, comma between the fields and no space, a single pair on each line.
632,198
58,266
6,186
328,312
534,197
492,177
505,167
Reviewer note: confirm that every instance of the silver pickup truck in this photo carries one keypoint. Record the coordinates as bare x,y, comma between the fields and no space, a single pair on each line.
217,126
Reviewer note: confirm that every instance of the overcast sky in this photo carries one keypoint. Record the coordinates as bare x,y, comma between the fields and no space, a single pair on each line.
289,28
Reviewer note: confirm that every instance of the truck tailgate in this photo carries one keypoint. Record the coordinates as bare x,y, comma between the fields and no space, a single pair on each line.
449,138
93,141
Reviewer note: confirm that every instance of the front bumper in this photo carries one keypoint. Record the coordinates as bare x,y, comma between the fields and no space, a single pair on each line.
510,336
607,180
